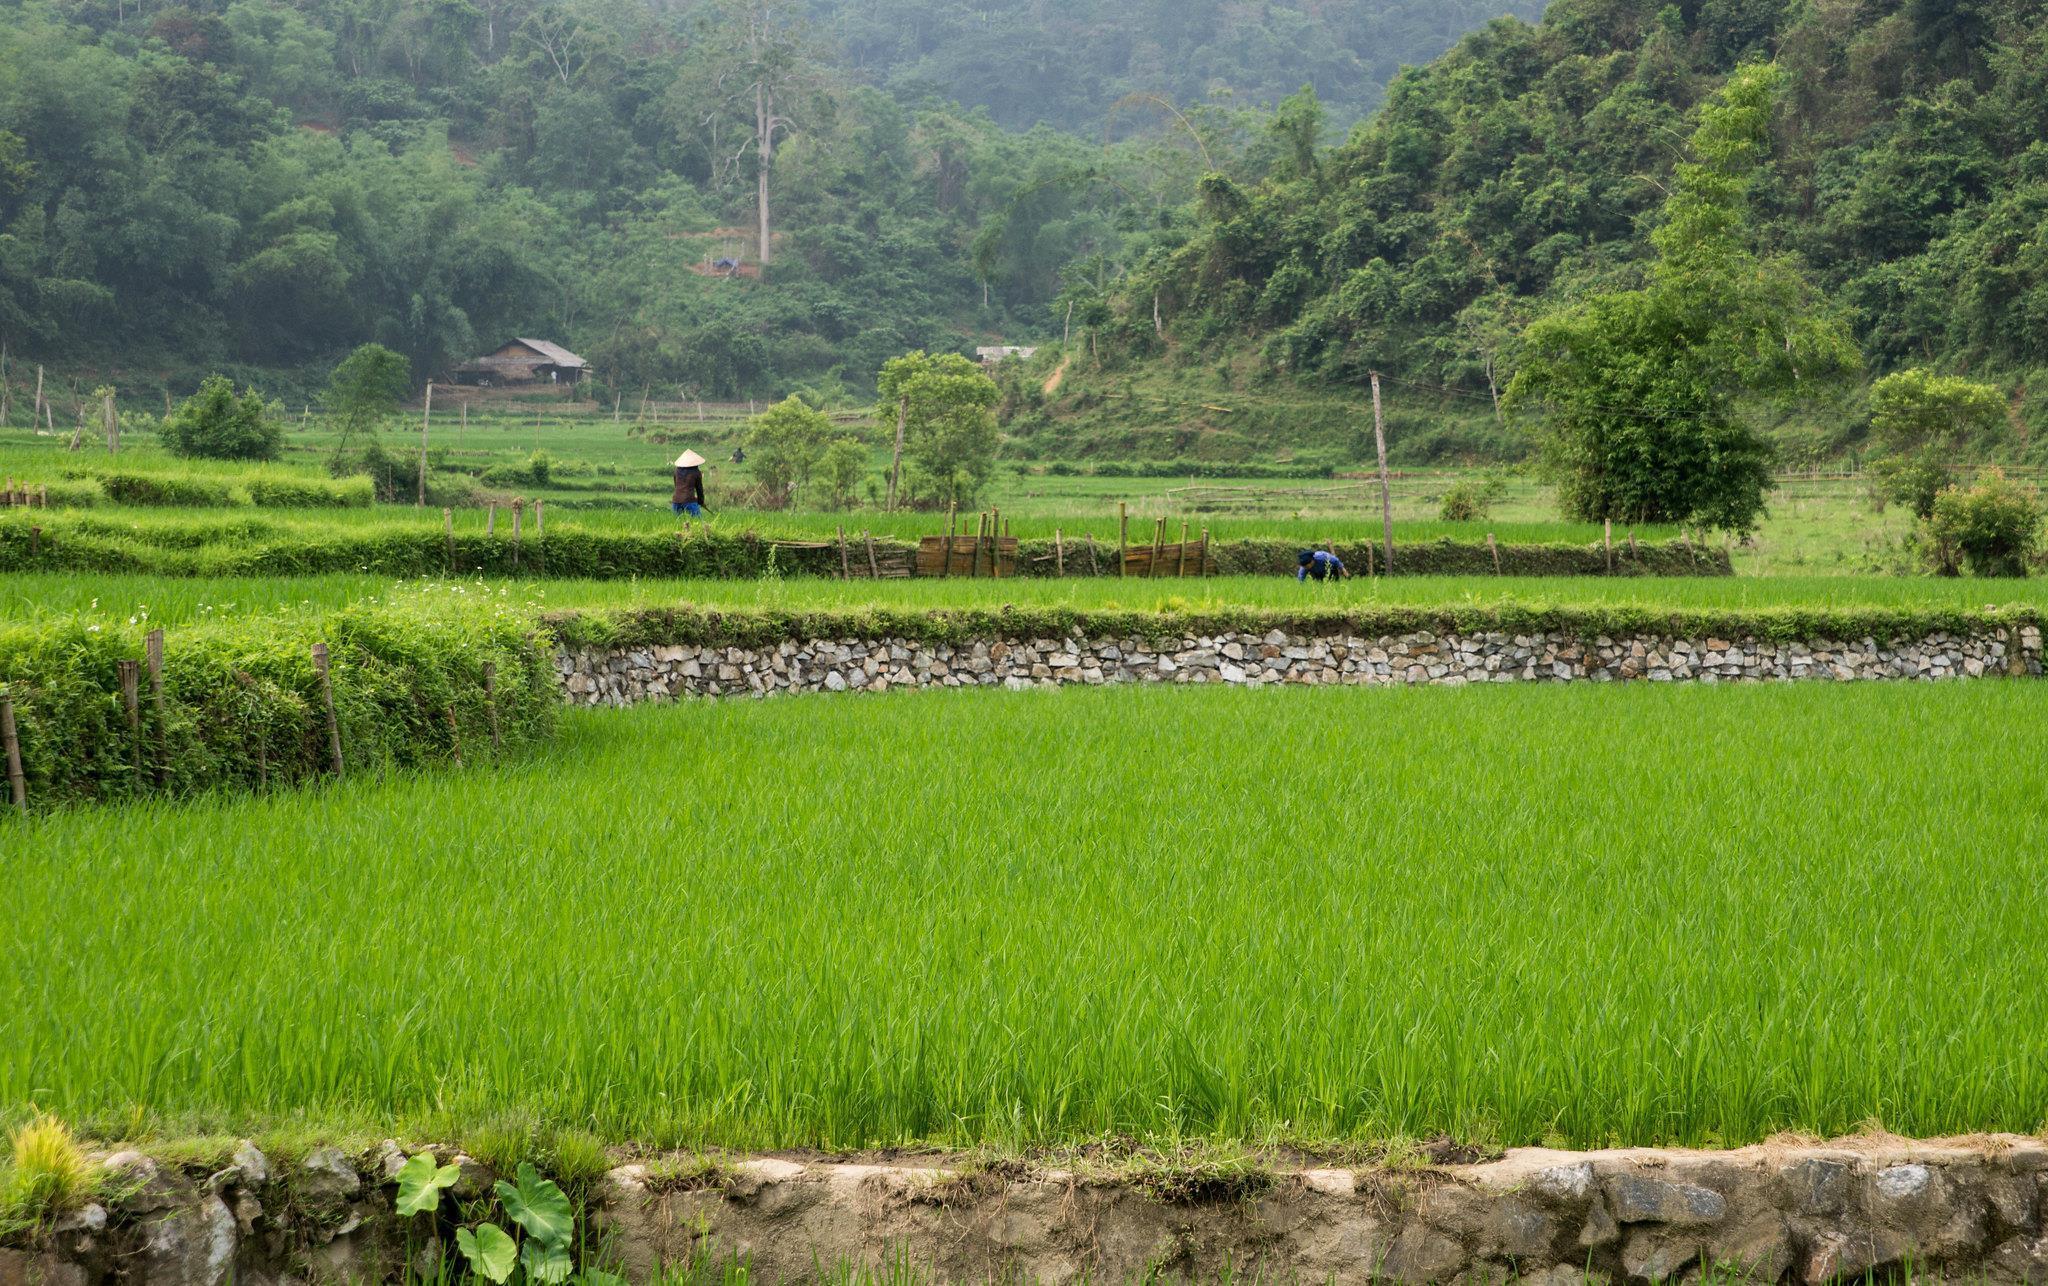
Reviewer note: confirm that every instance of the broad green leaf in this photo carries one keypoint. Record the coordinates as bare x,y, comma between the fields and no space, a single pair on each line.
544,1263
420,1182
539,1206
489,1250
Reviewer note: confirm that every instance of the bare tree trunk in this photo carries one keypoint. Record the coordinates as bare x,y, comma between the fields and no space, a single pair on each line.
111,419
1158,326
1494,389
896,462
764,139
1067,330
39,399
6,389
1379,440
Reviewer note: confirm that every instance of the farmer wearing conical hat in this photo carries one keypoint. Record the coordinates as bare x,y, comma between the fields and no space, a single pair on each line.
689,495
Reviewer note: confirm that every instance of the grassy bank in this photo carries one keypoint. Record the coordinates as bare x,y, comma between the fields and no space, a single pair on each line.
1680,914
115,598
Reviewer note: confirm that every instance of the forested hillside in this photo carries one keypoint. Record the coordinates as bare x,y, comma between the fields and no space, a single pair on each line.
1070,62
1909,178
257,185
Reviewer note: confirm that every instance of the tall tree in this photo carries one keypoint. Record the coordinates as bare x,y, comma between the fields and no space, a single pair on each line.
1644,387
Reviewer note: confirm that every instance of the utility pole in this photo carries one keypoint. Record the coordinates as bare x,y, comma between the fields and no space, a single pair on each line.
426,417
1379,440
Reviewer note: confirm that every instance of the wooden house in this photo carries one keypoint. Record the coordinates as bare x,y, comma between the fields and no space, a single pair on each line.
523,361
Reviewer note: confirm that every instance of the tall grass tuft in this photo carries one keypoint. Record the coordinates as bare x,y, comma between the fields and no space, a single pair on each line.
48,1173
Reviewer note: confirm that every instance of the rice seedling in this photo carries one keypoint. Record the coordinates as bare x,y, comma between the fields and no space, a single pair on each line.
1656,913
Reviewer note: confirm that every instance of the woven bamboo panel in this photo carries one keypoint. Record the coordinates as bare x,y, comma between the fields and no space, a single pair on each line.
969,556
1190,559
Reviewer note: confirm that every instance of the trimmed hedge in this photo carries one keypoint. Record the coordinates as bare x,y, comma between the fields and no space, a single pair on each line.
230,687
231,548
755,627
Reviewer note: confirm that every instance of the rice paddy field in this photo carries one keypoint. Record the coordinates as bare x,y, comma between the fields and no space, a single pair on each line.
1577,914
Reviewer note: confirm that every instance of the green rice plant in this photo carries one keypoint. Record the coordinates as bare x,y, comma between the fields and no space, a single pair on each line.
1628,914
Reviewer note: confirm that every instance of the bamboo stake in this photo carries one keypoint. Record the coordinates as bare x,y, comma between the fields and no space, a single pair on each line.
1493,549
17,781
454,733
1607,540
995,543
110,421
1094,565
1180,572
1202,566
491,519
1158,548
874,567
327,705
946,562
153,657
845,565
518,512
131,706
448,536
1059,555
1123,537
37,408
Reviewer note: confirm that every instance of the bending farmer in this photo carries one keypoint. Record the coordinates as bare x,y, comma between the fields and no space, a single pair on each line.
1318,564
689,494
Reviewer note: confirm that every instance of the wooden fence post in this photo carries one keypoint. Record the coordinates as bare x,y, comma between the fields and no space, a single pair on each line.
1158,548
491,702
131,706
1123,536
1059,555
946,561
974,560
995,542
491,519
1635,555
448,536
1493,549
454,733
1202,569
327,705
153,656
1181,571
518,512
1094,563
35,541
17,781
874,566
845,566
1379,438
1607,542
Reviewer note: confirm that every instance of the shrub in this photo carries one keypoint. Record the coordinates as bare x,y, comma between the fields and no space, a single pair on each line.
1469,501
840,471
1993,528
215,424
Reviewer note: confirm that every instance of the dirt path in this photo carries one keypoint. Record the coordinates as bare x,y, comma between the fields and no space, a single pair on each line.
1059,373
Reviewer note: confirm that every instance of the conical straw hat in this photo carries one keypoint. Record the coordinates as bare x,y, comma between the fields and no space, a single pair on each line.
689,460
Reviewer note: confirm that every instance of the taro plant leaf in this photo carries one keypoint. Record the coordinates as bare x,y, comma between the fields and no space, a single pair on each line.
489,1250
420,1182
538,1206
545,1263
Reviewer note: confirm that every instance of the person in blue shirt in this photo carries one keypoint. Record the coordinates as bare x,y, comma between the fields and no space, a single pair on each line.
1320,564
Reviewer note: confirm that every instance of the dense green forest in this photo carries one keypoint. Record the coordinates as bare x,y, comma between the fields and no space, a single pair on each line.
259,185
1908,179
1070,63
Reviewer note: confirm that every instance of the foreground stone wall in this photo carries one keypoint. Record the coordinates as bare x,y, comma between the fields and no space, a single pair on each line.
1865,1208
622,676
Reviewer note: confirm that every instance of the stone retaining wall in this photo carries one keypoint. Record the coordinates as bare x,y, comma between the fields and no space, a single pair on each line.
622,676
1870,1208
